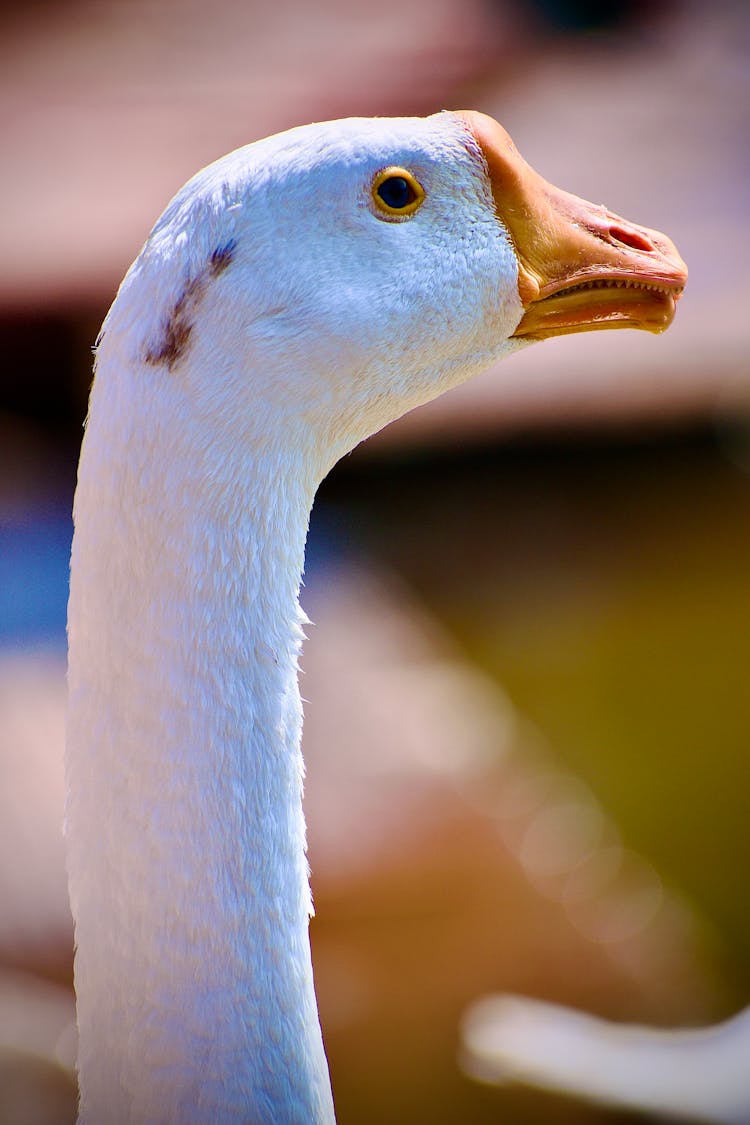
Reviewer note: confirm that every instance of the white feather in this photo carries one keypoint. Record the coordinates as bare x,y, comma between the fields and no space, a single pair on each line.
271,322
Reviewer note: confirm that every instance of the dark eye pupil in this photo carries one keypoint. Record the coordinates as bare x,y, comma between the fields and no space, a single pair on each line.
396,192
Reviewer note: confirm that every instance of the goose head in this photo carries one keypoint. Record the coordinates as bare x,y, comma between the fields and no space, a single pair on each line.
320,283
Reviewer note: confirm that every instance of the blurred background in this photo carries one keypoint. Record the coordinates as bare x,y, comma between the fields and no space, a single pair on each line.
528,713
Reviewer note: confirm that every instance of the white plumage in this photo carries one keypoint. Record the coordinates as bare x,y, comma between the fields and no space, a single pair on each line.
280,312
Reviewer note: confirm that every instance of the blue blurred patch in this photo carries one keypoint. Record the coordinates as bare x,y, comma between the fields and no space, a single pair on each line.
34,560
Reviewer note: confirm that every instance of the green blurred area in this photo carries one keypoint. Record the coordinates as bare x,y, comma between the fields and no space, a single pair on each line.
605,585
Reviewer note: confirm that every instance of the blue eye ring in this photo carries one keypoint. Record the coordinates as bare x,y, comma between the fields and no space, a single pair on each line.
396,193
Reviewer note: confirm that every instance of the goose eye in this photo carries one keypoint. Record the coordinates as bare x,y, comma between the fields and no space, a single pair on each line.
396,193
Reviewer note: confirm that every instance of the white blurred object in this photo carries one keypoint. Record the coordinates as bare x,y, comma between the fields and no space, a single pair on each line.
698,1075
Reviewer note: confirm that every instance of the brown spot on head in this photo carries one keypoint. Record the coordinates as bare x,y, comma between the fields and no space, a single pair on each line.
222,258
180,322
174,342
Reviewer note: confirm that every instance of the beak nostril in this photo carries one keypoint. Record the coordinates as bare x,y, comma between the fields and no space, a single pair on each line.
635,240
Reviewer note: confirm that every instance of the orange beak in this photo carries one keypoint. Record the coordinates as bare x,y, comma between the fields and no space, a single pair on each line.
580,267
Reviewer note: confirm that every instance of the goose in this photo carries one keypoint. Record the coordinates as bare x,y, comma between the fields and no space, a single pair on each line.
294,297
